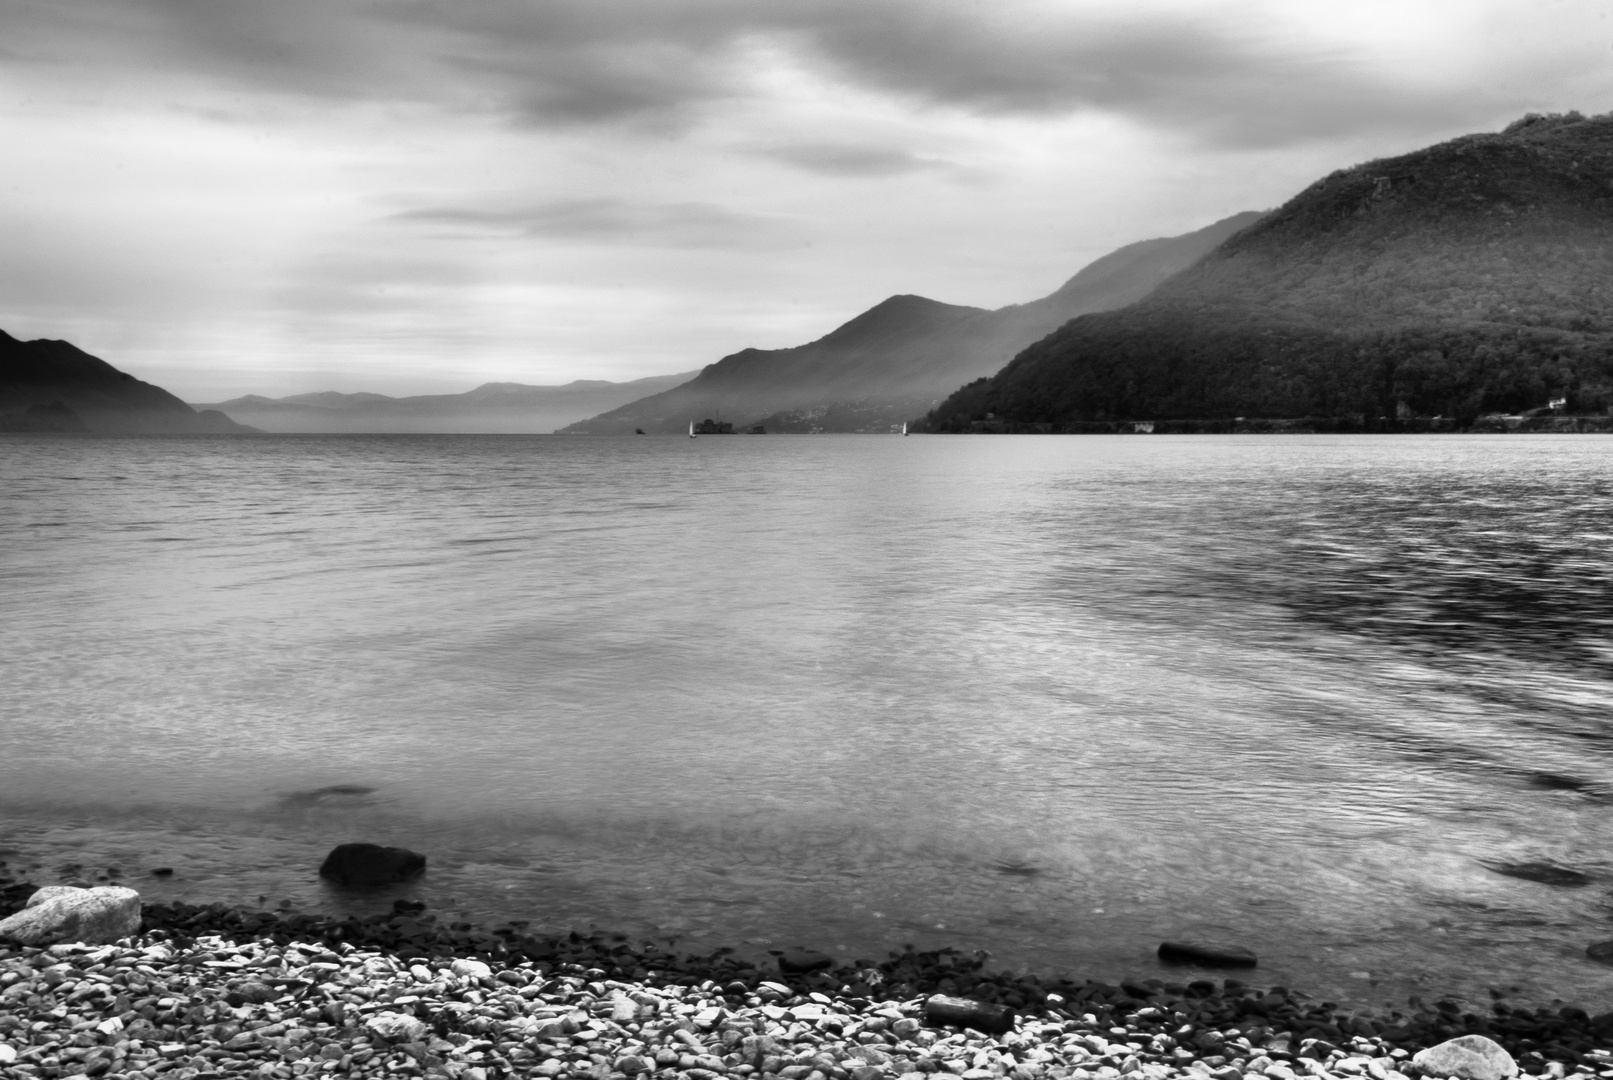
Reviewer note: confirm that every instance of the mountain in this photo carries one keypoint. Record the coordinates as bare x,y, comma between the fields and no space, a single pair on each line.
1464,279
491,408
904,354
54,386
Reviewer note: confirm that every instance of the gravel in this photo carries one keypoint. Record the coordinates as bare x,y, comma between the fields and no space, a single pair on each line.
212,991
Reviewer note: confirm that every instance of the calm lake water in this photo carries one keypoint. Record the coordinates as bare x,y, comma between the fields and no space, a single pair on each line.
1058,698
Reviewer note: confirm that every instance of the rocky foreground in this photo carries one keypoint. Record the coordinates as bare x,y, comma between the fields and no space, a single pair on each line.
210,992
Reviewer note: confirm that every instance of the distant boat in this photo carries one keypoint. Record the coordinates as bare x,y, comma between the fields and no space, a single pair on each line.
691,429
904,427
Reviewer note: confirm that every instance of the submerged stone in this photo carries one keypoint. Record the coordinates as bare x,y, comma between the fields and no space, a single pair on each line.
371,864
797,961
1545,873
334,793
1206,954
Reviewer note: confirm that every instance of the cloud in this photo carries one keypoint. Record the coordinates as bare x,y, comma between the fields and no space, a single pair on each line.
844,159
1232,71
613,221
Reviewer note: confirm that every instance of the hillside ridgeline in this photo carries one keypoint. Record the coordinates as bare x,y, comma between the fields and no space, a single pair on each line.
903,355
53,386
1467,279
512,408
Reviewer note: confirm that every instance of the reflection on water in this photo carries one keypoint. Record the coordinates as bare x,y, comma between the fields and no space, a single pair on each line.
1058,698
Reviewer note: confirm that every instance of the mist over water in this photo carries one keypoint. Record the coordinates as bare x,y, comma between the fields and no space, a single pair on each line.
1057,698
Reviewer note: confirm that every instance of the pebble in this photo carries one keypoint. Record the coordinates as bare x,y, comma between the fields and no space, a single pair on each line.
161,1005
211,990
471,969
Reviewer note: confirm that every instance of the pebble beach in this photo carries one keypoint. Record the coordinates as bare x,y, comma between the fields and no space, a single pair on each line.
208,991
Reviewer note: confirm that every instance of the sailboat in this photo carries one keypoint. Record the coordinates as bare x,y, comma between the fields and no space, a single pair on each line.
904,427
691,430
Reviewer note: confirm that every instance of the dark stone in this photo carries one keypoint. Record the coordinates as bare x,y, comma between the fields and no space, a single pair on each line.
1601,952
942,1009
252,991
371,864
800,961
1557,781
163,871
1545,873
1206,955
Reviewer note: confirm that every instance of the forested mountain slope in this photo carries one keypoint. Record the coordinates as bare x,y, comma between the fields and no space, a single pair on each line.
48,385
903,355
1469,277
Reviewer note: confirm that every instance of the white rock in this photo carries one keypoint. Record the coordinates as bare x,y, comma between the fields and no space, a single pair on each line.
62,913
398,1027
8,1054
471,969
51,892
1470,1057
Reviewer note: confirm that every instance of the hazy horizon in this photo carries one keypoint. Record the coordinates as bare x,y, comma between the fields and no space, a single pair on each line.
423,197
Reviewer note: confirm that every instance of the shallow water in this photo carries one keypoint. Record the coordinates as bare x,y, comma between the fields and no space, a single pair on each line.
1056,698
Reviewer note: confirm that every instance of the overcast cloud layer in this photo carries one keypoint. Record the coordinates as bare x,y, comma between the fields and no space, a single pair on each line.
423,195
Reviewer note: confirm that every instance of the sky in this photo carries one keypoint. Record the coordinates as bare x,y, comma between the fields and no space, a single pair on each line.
420,196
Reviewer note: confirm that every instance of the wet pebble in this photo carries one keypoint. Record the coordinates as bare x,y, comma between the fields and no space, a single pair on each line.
163,1006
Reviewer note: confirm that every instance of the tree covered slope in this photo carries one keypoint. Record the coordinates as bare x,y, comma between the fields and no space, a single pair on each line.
900,357
48,385
1469,277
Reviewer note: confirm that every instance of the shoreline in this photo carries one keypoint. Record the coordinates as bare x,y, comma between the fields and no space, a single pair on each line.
406,963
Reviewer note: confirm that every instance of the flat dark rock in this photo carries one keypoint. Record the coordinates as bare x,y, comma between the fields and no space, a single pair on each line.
1557,781
942,1009
1545,873
1206,954
1601,952
800,961
371,864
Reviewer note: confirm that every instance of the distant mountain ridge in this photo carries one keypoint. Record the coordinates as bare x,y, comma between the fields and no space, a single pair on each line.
1465,279
492,408
898,358
48,385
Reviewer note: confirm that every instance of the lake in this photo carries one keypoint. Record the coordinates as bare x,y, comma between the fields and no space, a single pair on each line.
1057,698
